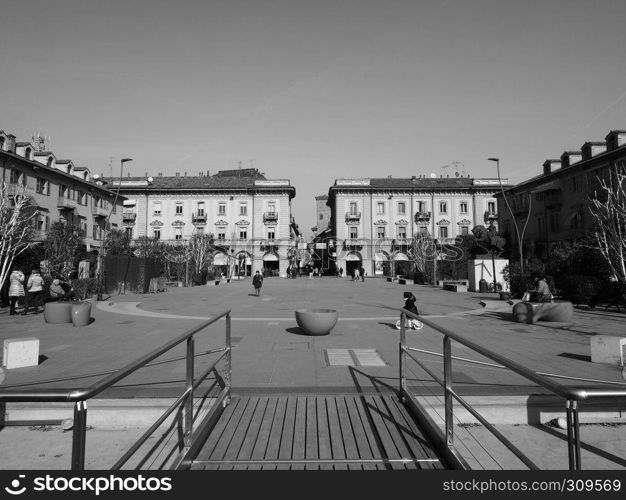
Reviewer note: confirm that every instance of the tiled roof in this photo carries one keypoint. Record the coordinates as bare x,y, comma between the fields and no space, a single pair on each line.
423,182
189,182
322,197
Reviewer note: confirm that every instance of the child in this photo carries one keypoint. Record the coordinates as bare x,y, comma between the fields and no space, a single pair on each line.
409,302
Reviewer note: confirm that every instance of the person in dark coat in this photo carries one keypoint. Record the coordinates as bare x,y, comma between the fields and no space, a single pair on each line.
257,282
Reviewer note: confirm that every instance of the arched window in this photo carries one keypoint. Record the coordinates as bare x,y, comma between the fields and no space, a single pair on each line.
28,153
2,143
50,160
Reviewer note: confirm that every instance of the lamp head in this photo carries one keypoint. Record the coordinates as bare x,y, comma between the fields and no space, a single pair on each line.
494,159
124,160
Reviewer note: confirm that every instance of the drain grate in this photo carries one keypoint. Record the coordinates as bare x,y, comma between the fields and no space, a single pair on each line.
353,357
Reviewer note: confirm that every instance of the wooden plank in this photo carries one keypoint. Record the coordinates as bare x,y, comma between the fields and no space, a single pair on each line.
387,446
216,433
240,432
415,439
370,433
286,441
258,453
245,452
224,441
392,427
323,433
276,431
334,428
347,433
311,451
299,433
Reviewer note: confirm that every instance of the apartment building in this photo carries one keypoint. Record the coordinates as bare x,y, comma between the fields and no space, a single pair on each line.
556,202
58,189
248,214
374,220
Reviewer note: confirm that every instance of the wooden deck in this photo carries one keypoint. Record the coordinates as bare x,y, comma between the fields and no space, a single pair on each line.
316,432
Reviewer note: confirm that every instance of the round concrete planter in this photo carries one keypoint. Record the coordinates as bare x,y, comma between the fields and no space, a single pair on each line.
316,321
81,313
57,312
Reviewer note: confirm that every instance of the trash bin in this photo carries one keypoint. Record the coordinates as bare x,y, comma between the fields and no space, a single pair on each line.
483,287
81,313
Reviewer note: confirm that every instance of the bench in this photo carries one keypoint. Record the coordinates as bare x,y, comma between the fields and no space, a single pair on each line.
455,287
531,312
443,283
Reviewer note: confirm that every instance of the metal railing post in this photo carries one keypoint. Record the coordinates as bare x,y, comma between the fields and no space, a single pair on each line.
402,355
79,435
576,429
447,380
189,400
229,359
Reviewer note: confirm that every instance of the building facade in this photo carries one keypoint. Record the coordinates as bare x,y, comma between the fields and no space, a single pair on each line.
248,215
556,202
59,190
322,215
373,221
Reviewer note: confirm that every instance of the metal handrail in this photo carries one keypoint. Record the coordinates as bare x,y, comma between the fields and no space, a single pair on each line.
572,395
80,395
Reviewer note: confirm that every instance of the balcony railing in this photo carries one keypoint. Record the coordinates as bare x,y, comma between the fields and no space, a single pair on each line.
353,216
490,216
269,246
97,211
199,217
270,216
422,216
352,242
64,202
401,242
129,216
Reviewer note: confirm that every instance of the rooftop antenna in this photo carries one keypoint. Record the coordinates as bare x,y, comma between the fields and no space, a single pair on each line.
110,166
456,168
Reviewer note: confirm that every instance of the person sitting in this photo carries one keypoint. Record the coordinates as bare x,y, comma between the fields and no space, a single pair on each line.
409,302
61,290
542,290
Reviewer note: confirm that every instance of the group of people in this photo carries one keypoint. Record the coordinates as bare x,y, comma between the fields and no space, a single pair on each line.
32,291
358,274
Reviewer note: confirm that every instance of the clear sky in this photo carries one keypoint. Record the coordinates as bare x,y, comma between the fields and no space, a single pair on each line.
313,90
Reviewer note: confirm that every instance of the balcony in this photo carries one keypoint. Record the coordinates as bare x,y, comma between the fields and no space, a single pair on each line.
129,217
352,243
490,217
199,218
65,203
269,246
97,211
353,216
422,216
270,217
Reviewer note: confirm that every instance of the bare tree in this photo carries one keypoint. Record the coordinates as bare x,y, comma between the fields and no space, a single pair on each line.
149,248
61,246
16,215
421,251
201,251
608,209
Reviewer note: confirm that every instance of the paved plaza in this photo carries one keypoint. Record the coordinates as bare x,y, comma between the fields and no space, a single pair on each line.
272,355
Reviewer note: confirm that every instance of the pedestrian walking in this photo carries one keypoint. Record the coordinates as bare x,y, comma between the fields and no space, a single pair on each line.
362,272
355,276
341,272
257,282
16,289
34,288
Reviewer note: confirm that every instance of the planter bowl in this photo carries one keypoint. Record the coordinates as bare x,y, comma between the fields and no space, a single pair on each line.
316,321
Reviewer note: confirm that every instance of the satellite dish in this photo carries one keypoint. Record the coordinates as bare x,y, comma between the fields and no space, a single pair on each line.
433,176
95,176
150,179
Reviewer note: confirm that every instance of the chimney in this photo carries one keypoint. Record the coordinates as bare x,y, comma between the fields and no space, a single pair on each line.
10,143
568,158
615,139
548,166
591,149
145,174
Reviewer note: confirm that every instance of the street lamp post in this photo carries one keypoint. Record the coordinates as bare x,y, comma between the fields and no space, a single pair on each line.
520,236
106,225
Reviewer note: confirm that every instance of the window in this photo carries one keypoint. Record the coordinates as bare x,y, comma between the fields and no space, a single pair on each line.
401,208
321,216
421,206
354,233
156,234
83,227
576,220
463,207
41,224
42,186
402,232
178,233
491,207
156,208
243,208
179,208
554,222
464,230
271,235
243,234
271,207
221,208
443,207
380,208
574,184
353,208
82,198
221,236
200,208
443,231
380,232
17,177
95,232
